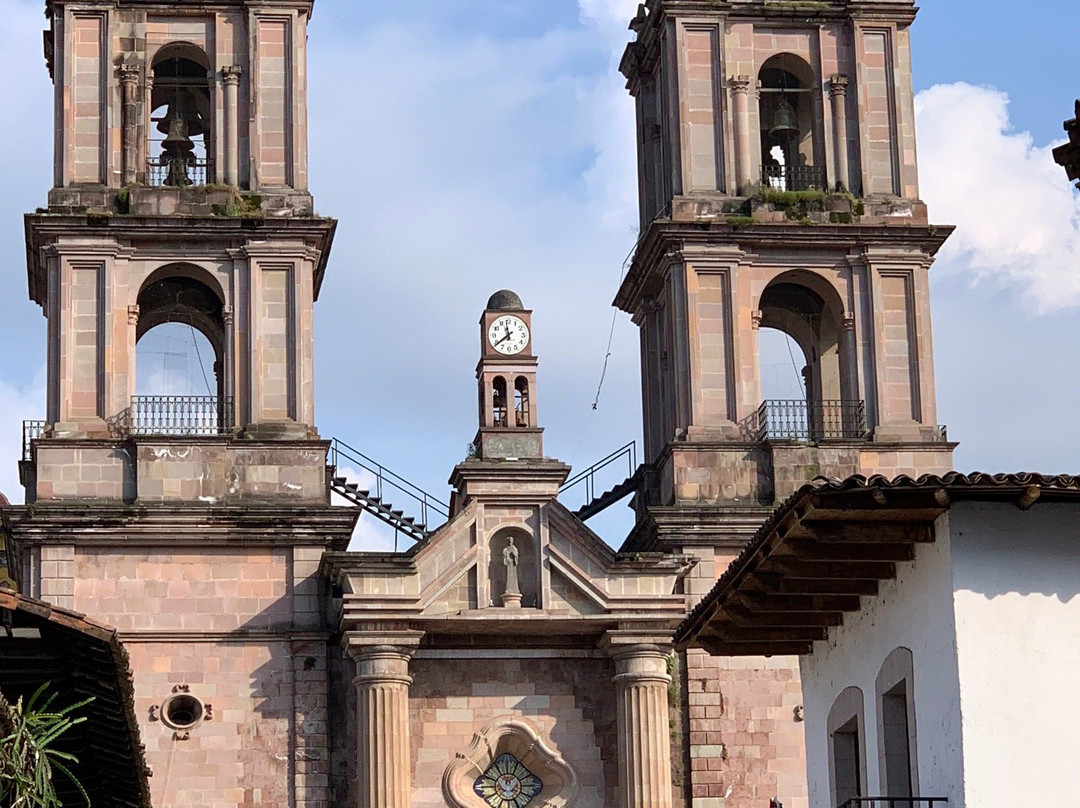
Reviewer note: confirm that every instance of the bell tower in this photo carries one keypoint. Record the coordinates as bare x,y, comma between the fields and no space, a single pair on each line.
194,525
778,190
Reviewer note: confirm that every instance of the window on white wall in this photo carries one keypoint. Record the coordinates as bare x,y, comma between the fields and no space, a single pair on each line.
847,758
897,759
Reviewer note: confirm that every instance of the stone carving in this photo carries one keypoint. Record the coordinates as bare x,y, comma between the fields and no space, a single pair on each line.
511,597
504,738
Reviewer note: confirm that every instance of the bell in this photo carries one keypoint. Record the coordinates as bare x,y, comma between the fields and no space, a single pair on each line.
177,140
185,108
785,124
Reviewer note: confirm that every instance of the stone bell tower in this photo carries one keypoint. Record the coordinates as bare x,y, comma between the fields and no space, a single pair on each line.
192,524
778,190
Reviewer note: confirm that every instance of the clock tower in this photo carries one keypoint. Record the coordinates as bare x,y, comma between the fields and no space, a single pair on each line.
507,382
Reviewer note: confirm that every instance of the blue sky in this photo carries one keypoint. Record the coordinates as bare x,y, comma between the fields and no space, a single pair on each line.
476,145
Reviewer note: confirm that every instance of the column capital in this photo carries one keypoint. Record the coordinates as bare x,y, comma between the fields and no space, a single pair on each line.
227,315
639,656
838,85
133,315
755,318
848,322
230,74
382,656
740,84
129,74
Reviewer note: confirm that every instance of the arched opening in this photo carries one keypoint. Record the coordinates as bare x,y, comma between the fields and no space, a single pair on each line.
180,353
847,755
180,149
805,362
789,114
498,402
521,402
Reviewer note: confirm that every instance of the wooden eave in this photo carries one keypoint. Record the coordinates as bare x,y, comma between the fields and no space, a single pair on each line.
832,544
79,659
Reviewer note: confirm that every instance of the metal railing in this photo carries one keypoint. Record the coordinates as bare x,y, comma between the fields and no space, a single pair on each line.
587,478
811,421
175,415
793,178
894,802
31,430
341,452
176,173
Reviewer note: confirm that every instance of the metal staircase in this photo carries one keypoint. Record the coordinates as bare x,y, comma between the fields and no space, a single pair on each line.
385,482
594,503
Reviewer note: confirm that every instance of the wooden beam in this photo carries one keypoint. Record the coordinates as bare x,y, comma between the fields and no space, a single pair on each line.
740,616
761,601
731,633
865,570
846,551
722,649
790,585
871,531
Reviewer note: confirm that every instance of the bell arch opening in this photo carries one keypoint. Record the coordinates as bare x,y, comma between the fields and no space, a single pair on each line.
180,148
803,349
790,120
498,402
181,345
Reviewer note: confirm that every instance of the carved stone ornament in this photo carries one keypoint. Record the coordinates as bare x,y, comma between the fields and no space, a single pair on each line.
513,745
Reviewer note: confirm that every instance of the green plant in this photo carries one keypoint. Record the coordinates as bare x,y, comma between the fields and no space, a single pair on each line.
27,755
243,206
739,221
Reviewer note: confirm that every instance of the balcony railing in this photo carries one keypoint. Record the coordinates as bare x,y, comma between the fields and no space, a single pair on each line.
165,172
31,430
809,421
895,802
176,415
793,178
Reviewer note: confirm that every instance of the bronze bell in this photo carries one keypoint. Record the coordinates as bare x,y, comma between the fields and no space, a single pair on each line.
177,140
785,124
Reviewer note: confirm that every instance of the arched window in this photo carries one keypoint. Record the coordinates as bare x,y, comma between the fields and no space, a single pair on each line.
847,758
789,114
498,402
897,759
180,355
180,124
521,402
802,349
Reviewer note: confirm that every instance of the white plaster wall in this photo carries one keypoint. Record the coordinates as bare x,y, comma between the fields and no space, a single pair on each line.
1017,577
914,611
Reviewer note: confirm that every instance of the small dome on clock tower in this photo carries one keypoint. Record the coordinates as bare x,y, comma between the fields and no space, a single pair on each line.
505,300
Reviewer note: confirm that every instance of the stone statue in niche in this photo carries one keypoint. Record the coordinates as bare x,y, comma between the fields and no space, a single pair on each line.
511,598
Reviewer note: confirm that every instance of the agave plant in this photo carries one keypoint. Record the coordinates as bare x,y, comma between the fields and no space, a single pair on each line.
28,758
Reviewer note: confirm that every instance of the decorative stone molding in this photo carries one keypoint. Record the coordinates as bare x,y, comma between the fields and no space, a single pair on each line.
133,315
740,84
838,85
230,74
516,736
128,74
755,319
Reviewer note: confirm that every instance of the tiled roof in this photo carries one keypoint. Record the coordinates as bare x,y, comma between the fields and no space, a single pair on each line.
878,500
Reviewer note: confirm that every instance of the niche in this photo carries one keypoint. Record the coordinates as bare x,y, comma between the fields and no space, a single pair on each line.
526,568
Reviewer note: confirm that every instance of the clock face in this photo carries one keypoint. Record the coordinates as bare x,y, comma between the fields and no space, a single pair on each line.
508,334
507,783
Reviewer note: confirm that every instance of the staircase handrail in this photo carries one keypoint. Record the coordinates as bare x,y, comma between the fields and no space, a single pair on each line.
588,475
338,448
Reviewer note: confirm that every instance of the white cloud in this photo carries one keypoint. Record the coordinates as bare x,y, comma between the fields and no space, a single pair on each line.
1018,220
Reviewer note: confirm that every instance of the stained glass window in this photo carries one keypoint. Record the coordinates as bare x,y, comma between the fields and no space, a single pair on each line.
507,783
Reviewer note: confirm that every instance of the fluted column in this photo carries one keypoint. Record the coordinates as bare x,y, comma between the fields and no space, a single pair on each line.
641,713
838,95
382,717
129,85
740,91
231,76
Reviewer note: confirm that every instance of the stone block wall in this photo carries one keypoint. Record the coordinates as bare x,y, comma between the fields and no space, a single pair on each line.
570,702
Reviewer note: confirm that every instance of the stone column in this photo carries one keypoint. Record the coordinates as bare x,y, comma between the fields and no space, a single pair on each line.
641,683
231,77
129,85
740,91
838,95
382,717
228,385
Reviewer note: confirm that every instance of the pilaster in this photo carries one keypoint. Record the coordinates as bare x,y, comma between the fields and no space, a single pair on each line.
382,716
641,682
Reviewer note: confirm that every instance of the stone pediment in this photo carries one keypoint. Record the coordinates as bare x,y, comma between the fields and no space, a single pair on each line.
567,579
